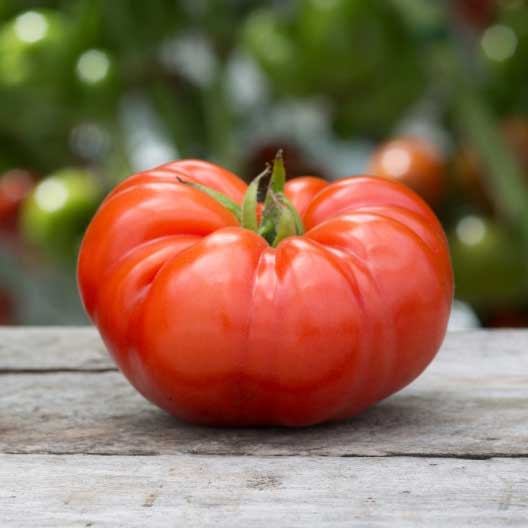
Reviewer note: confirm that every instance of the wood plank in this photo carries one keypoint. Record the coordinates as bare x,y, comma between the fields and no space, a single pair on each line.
442,414
52,491
81,348
52,348
471,402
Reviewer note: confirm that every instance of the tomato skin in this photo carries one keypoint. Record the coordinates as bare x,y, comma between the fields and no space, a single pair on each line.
215,326
301,191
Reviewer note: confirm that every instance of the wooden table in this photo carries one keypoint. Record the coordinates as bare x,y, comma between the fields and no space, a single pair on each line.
79,447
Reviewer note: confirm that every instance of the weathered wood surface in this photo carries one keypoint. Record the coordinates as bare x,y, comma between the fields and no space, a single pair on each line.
451,448
472,401
245,492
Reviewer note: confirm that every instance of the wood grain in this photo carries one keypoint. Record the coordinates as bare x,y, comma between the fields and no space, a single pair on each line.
196,491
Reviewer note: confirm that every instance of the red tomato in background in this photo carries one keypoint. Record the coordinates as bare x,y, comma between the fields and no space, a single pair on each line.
7,308
413,162
214,325
476,13
15,185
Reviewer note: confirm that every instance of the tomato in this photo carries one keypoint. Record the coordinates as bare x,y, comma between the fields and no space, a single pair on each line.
32,46
476,13
14,187
216,324
413,162
508,318
55,214
7,308
490,268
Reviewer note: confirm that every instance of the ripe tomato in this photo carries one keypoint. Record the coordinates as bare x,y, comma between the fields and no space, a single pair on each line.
15,185
7,308
476,13
215,325
413,162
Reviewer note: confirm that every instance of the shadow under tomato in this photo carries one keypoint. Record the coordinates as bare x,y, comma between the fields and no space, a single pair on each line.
397,422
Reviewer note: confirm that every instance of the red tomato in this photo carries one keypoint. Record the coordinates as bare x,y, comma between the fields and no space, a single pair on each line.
7,308
15,185
412,162
476,13
214,325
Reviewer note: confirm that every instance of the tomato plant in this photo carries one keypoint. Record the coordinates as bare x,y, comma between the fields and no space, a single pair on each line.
303,51
329,300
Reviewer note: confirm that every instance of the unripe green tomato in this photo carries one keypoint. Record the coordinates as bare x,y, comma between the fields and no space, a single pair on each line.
57,212
489,265
31,46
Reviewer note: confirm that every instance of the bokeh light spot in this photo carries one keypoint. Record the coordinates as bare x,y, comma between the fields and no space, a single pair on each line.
396,161
31,27
471,230
51,195
325,4
499,42
93,66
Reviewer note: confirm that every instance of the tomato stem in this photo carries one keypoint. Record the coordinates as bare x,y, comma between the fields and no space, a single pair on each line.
222,199
279,212
278,175
279,217
249,218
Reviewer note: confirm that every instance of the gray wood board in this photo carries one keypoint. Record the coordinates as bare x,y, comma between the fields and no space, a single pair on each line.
79,447
471,403
195,491
81,348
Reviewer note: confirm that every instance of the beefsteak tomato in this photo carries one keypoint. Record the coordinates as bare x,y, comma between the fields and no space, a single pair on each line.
214,324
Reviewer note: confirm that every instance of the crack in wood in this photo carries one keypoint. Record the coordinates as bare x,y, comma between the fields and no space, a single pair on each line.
58,370
453,456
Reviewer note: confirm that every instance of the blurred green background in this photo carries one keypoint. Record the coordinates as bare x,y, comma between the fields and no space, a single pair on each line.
433,94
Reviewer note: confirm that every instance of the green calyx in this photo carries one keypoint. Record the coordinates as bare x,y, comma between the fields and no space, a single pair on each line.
279,218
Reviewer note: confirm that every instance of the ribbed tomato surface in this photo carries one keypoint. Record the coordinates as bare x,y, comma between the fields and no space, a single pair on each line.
214,325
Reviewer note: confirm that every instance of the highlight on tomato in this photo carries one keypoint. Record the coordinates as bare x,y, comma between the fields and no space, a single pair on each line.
308,307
